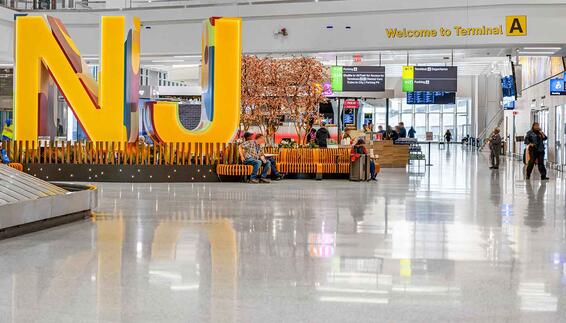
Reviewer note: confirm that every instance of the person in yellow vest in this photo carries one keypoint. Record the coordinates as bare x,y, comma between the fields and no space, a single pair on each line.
8,131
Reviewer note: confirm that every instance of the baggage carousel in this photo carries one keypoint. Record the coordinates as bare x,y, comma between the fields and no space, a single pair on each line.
29,204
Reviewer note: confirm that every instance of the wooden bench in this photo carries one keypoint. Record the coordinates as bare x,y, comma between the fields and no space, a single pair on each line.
230,163
291,161
315,161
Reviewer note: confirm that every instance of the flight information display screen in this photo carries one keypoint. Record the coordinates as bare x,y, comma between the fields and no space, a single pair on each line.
431,97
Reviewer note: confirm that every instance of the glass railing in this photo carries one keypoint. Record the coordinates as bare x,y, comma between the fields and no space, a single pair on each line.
131,4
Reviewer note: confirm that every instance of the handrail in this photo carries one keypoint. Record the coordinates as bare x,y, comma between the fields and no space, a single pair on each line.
496,120
492,124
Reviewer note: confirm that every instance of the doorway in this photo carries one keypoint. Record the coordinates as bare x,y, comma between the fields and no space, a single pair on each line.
559,139
541,116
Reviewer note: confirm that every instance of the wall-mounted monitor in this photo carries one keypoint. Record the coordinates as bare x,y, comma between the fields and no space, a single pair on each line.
348,117
431,97
557,87
430,78
357,78
509,91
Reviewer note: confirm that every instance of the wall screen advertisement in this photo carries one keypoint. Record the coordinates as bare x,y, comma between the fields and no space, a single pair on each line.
430,78
357,78
437,97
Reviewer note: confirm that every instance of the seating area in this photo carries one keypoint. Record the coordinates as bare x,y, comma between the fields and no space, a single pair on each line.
312,161
223,159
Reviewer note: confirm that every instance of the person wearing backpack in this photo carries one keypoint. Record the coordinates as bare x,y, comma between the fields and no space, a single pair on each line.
322,136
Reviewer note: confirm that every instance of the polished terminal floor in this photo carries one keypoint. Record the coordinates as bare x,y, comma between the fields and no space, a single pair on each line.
460,243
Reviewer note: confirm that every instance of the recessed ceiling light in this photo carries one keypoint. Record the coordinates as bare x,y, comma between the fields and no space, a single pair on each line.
167,61
543,48
186,65
537,53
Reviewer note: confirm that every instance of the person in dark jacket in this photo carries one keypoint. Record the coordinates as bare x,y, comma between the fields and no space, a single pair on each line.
360,149
412,132
402,130
391,134
448,136
322,136
495,147
534,140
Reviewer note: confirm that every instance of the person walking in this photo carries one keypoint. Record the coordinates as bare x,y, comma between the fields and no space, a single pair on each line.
412,132
322,136
495,142
534,140
448,136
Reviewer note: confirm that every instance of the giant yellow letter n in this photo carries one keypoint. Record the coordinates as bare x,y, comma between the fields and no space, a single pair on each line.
43,49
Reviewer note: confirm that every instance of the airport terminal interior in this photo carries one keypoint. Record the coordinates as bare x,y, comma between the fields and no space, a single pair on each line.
282,161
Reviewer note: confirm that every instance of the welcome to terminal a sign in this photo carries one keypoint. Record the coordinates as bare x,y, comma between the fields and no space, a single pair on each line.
514,26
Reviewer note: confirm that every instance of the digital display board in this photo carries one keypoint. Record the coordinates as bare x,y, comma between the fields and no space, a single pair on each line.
357,78
348,117
508,86
509,91
430,78
557,87
428,97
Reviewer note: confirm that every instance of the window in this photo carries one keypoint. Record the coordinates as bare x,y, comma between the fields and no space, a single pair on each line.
462,106
144,76
434,118
462,126
407,119
448,123
394,113
449,108
406,108
162,78
434,125
420,125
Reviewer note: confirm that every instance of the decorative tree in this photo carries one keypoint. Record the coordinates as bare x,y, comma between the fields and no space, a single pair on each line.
305,76
261,99
274,88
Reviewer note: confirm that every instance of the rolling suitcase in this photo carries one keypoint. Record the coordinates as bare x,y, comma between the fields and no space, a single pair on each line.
359,169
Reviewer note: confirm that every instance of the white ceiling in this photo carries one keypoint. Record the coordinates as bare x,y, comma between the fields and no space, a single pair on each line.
469,61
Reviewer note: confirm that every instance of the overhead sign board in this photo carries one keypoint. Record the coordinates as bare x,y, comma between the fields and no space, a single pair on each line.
357,78
437,97
430,78
351,104
514,26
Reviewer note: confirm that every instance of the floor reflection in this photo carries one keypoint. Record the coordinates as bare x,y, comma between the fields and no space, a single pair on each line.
458,243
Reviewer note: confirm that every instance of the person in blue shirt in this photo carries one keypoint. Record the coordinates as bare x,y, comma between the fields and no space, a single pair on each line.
534,140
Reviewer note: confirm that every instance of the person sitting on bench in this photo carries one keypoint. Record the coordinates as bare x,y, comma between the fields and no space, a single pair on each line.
360,149
251,153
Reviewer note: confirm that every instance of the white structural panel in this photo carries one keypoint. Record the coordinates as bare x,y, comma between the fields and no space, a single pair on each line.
356,25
